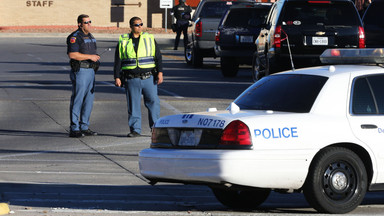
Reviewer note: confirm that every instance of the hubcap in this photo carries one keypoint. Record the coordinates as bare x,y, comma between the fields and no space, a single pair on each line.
340,181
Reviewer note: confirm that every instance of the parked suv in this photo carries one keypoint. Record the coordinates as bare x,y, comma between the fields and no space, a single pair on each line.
304,29
236,35
373,25
205,22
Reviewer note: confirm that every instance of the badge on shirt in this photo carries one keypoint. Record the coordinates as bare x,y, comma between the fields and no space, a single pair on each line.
73,40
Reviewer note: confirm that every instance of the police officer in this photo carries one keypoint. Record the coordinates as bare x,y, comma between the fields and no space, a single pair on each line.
81,49
138,64
182,13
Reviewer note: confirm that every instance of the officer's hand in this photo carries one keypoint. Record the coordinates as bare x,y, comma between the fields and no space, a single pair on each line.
95,58
118,82
160,78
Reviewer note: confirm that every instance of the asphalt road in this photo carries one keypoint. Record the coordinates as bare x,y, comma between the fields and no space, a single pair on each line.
44,172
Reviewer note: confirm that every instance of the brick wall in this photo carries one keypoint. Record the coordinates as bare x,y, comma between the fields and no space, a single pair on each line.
65,12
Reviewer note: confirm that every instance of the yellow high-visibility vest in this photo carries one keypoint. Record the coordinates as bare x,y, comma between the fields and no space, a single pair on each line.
145,56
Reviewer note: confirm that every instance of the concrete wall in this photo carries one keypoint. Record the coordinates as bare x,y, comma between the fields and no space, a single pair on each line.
65,12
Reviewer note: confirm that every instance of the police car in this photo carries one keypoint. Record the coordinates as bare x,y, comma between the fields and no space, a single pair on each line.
319,131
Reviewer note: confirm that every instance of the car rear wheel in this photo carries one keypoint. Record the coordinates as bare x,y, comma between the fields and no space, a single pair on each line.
196,57
241,199
258,71
229,66
336,182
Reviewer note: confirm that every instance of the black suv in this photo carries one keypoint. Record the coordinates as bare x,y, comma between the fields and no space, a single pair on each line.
236,35
374,25
303,29
205,20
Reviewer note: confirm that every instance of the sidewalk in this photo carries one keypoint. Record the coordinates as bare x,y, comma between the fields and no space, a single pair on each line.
64,32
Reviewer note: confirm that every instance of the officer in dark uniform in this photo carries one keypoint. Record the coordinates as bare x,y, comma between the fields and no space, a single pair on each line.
182,13
82,50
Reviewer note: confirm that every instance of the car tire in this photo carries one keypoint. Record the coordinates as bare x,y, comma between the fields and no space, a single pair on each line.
229,66
336,182
196,58
188,53
241,199
258,71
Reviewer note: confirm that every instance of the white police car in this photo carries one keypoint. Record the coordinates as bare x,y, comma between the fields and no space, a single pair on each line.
317,130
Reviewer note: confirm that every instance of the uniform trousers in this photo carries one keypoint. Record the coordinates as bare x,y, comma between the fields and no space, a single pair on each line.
136,87
83,84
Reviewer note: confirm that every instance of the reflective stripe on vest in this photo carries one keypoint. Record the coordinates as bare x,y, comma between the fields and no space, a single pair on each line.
145,57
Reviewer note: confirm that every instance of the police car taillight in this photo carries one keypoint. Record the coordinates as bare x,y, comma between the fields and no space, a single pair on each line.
236,134
353,56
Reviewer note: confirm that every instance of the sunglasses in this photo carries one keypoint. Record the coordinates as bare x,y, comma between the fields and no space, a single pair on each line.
88,22
138,24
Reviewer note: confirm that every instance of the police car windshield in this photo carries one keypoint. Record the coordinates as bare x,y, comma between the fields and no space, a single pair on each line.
285,92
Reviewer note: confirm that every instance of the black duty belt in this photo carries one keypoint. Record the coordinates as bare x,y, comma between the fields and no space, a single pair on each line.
85,64
142,76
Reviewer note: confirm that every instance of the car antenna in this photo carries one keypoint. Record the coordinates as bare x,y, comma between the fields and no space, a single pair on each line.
289,50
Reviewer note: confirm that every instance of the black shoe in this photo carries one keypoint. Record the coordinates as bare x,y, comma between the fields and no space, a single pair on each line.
133,134
88,132
76,134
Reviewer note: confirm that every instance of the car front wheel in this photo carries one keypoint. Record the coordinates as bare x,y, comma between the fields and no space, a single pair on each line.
336,182
241,199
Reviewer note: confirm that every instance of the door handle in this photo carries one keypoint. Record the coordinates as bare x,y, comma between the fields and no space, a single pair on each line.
368,126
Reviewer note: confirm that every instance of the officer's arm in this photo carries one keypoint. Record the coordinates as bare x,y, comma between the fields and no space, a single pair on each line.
81,57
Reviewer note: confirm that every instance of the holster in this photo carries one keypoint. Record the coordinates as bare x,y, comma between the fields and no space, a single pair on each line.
75,65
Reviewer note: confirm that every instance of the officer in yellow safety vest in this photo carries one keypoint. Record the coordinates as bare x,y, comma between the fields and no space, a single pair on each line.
138,67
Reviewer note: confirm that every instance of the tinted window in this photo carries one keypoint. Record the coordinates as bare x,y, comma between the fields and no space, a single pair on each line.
215,9
334,13
246,17
368,95
371,16
289,93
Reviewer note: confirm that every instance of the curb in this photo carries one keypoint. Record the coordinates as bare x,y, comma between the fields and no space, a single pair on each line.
4,209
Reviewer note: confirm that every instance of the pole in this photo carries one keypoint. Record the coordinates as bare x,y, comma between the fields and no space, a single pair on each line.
165,24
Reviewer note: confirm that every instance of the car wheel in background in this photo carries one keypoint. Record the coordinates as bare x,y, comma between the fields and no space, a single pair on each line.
258,71
188,54
229,66
196,58
337,181
241,199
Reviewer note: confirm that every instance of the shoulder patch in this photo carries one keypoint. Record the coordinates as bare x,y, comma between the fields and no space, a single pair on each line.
73,40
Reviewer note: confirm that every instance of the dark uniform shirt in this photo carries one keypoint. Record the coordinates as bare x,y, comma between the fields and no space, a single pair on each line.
182,12
137,70
77,41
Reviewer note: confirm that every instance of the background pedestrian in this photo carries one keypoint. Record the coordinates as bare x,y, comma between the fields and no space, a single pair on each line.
182,13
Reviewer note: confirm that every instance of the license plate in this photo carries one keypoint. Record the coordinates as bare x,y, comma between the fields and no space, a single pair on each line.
320,41
246,39
187,138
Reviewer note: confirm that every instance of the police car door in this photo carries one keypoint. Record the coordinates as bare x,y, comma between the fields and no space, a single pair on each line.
367,116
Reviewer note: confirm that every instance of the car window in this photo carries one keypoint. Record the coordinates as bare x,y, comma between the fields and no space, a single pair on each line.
245,17
305,13
371,16
215,9
368,95
288,92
